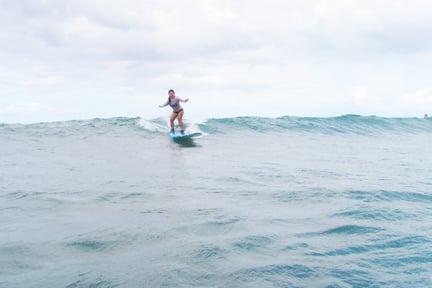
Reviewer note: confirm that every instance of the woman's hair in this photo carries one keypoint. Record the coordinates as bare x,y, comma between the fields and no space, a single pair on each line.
169,99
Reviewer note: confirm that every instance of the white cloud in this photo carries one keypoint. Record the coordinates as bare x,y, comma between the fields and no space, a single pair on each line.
315,57
26,108
420,98
44,81
361,97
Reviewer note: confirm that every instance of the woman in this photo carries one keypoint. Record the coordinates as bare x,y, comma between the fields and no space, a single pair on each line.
178,112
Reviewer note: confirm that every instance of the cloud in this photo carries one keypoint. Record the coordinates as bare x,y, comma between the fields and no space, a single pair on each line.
314,57
44,81
26,108
420,98
361,97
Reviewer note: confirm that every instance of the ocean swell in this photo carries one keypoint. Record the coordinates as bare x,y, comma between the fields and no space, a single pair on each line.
346,124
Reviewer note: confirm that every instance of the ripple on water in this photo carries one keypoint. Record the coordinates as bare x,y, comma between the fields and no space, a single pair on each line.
222,221
116,197
375,214
93,283
345,230
100,243
16,258
403,260
351,229
133,195
296,246
11,208
315,194
281,275
212,227
91,245
16,195
207,211
355,278
208,252
253,242
404,242
187,277
384,195
153,211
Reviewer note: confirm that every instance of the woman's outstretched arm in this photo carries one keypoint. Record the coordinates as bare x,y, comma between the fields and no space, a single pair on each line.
163,105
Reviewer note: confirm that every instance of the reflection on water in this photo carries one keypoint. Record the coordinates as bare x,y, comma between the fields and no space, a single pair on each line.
185,142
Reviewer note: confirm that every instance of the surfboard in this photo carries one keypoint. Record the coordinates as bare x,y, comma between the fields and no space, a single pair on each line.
178,135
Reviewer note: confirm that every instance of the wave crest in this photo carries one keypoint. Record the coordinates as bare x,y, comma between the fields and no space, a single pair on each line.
346,124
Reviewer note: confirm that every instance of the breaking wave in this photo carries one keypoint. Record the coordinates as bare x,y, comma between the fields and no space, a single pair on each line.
346,124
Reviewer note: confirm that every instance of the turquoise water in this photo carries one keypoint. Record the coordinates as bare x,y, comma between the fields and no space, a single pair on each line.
254,202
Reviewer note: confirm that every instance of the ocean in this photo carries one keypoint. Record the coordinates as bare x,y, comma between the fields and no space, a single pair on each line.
253,202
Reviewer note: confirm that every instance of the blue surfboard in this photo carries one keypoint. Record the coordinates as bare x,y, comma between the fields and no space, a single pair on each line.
178,135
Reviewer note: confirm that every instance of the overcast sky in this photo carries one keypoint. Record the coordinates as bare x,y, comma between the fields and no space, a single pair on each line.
63,60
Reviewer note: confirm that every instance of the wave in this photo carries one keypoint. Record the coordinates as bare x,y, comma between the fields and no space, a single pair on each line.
346,124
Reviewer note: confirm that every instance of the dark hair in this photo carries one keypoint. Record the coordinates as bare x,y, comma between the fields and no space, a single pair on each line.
169,99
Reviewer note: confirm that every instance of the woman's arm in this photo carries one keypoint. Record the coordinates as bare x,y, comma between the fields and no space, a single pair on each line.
184,100
163,105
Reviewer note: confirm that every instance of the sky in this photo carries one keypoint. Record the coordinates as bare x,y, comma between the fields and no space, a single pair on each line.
80,59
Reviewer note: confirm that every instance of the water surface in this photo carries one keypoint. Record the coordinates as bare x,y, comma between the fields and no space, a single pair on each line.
255,202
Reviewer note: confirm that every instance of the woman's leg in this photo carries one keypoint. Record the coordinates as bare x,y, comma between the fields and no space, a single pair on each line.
172,118
180,120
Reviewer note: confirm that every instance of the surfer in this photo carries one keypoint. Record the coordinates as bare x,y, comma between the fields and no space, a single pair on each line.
174,102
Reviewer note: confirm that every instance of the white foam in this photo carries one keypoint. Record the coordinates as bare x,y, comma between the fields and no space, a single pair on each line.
151,125
194,128
162,125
